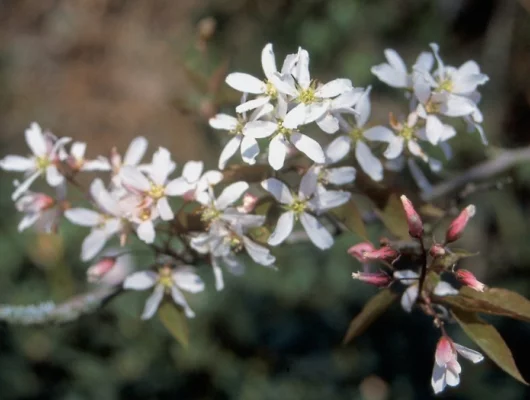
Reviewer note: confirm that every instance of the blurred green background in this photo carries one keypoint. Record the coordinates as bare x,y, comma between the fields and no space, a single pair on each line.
105,71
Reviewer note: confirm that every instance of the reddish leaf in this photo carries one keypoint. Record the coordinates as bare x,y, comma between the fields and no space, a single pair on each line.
393,217
376,306
489,340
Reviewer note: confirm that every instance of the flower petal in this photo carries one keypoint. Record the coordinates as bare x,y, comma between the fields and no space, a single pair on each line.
444,289
218,274
258,253
164,209
223,122
186,279
380,134
141,280
328,123
260,129
409,298
434,129
83,216
334,88
134,179
283,229
310,147
438,382
278,189
93,244
135,151
318,234
192,170
179,299
471,355
363,108
161,166
338,149
332,199
36,140
245,83
146,231
278,147
177,187
249,150
24,186
53,176
341,175
252,104
231,194
368,162
268,61
308,184
153,302
17,163
229,150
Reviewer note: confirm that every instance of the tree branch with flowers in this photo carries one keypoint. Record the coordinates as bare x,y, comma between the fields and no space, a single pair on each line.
292,179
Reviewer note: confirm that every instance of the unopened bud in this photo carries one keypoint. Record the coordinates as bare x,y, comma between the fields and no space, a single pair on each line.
468,279
413,218
379,279
385,253
34,203
437,250
445,351
249,203
100,269
456,229
360,249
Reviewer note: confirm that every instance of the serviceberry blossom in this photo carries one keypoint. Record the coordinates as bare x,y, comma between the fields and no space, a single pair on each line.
301,207
77,161
193,183
342,104
282,137
266,90
45,148
106,222
167,281
132,158
311,97
328,175
247,144
446,371
40,210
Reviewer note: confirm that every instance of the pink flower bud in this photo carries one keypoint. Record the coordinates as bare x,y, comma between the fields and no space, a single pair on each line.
385,253
468,279
100,269
249,203
359,249
445,351
437,250
456,229
379,279
34,203
413,218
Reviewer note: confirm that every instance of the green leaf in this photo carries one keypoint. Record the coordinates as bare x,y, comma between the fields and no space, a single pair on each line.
393,217
351,217
493,301
376,306
489,340
175,321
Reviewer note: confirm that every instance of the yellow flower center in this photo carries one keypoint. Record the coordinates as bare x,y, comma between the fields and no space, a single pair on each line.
357,134
270,90
156,192
446,85
145,214
238,129
282,130
210,214
164,278
235,242
307,96
42,163
298,206
407,133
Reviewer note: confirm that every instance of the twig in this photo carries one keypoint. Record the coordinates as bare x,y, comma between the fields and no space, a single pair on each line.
488,169
423,272
51,313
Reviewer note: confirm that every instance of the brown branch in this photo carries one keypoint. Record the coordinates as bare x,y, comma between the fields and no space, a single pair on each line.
486,170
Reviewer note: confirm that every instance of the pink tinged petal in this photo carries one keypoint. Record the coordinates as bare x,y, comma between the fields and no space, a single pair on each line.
53,176
134,179
283,229
36,141
179,299
268,61
249,150
409,298
229,150
83,216
395,148
245,83
17,163
192,170
334,88
253,104
328,123
153,302
93,244
186,279
341,175
259,254
223,122
310,147
308,184
444,351
162,166
100,164
178,187
380,134
27,221
316,231
284,84
78,150
231,194
363,108
278,148
338,149
24,186
434,129
368,162
136,151
438,381
260,129
332,199
471,355
146,231
445,289
278,189
218,275
301,70
141,280
387,74
164,209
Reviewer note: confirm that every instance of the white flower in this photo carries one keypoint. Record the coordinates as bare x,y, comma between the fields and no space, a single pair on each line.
334,153
235,126
394,72
156,187
76,159
45,148
410,279
166,282
311,98
342,104
105,223
214,208
133,156
266,90
40,210
358,135
446,366
282,137
300,206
